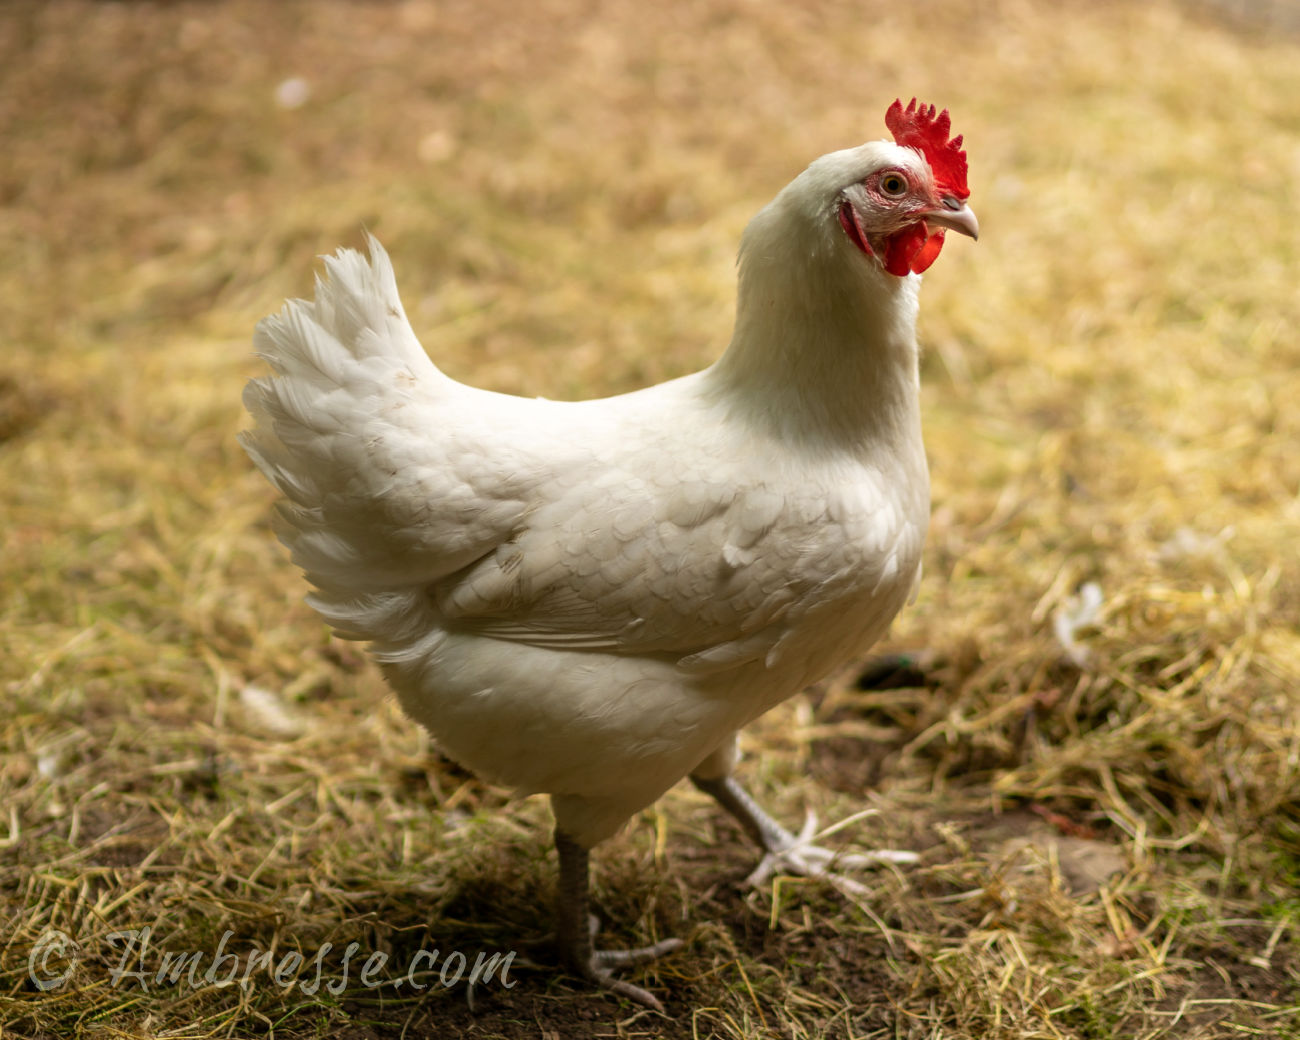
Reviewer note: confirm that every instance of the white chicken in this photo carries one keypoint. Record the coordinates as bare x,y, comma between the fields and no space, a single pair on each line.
589,599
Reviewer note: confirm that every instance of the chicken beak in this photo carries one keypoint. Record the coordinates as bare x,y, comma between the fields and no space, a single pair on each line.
955,216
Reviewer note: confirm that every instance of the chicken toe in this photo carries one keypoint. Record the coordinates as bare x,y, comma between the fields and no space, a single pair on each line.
575,930
792,853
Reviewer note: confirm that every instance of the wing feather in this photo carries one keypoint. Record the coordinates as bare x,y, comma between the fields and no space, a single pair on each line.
600,568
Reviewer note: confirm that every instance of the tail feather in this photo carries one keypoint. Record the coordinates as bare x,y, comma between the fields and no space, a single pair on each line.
350,399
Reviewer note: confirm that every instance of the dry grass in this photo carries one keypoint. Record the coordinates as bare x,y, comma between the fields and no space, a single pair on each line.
1111,845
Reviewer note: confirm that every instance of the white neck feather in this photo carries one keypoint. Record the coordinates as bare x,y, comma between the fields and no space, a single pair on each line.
824,352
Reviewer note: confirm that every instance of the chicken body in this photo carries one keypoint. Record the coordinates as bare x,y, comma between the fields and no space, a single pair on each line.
589,599
668,576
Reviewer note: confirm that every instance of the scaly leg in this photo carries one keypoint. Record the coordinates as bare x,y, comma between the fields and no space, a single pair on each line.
574,931
785,852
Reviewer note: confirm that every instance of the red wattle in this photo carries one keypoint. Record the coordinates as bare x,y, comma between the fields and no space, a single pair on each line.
912,250
928,252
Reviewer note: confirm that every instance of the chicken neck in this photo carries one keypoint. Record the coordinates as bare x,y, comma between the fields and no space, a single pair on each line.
824,356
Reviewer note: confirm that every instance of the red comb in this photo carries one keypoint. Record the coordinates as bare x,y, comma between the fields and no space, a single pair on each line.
921,129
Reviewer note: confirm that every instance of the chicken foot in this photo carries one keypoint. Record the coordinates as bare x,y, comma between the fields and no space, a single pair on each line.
574,931
790,853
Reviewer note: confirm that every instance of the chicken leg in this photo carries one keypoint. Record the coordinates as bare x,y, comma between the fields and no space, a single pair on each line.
786,852
574,930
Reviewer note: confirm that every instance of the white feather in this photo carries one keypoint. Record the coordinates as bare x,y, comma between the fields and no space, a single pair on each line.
589,598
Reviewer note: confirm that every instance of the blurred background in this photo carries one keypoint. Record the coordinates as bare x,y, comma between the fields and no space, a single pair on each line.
1111,378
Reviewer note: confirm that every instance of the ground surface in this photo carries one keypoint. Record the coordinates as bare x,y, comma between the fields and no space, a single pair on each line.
1110,836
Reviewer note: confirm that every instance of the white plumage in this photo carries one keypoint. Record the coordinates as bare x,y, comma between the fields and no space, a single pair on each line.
589,599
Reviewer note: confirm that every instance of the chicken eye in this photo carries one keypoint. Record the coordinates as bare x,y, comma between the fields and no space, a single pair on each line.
894,184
